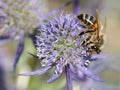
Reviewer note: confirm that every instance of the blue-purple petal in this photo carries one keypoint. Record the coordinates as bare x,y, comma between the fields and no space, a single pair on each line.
19,51
90,74
54,77
74,74
98,57
41,71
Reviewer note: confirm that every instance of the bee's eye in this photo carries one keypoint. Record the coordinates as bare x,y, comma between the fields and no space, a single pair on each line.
93,47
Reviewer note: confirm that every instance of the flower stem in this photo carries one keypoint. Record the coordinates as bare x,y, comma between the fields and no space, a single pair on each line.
76,7
68,79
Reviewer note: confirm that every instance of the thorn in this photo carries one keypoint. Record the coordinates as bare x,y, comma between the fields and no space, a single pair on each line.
33,55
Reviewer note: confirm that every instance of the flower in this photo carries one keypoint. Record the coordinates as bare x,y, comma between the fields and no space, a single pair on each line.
18,19
23,14
59,45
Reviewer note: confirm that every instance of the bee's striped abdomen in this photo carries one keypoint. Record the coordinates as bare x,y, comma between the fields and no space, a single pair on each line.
86,20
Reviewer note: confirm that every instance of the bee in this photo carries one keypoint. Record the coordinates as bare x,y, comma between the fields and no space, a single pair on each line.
94,39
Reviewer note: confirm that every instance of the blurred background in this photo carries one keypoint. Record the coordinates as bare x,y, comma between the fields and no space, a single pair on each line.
110,70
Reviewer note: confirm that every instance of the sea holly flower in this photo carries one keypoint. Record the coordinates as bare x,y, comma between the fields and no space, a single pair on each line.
58,45
18,19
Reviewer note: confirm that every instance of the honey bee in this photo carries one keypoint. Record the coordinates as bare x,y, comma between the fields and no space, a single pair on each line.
93,30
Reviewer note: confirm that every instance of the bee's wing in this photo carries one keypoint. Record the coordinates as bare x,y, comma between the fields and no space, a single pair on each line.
98,23
105,25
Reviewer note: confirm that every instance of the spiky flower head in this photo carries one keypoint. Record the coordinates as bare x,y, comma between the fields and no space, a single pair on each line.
18,20
21,15
59,45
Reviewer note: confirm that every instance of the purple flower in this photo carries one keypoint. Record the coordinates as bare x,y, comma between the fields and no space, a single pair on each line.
18,19
59,45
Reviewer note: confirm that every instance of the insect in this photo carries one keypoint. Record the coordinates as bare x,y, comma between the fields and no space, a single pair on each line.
94,39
